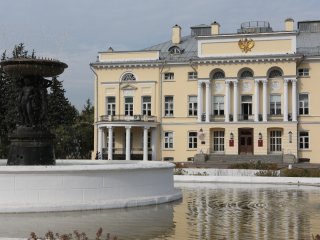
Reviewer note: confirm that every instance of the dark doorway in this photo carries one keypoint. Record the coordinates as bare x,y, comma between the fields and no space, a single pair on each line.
245,141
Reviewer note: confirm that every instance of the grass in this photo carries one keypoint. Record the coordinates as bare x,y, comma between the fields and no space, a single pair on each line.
297,172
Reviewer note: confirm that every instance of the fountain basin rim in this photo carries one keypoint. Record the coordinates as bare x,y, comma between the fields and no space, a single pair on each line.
85,165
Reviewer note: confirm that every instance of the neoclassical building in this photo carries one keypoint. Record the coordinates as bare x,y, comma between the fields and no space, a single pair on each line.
250,93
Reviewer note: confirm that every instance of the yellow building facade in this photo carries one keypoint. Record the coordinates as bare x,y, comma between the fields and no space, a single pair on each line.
210,96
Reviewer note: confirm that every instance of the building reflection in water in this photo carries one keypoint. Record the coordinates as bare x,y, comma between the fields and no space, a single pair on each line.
245,211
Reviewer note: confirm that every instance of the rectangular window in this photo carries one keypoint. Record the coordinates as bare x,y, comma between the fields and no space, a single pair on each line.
275,141
169,76
168,159
168,106
192,75
111,106
128,106
275,104
218,105
168,140
192,140
218,141
303,104
304,140
146,105
303,72
193,106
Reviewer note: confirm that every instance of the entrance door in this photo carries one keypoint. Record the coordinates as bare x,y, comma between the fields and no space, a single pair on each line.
246,141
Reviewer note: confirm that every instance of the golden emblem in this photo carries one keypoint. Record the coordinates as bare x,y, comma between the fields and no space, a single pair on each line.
246,44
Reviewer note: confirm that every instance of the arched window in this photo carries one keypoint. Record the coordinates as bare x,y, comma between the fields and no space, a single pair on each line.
275,73
218,75
128,77
246,74
174,50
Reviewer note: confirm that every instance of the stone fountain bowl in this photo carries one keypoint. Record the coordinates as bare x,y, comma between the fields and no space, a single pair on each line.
20,67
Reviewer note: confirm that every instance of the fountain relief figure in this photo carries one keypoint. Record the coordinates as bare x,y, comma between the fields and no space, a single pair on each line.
31,141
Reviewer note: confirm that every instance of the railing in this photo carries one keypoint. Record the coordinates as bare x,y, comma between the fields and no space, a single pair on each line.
217,118
120,153
127,118
246,117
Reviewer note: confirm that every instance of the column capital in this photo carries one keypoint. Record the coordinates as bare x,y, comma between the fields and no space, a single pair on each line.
109,127
127,127
228,81
208,83
146,127
257,80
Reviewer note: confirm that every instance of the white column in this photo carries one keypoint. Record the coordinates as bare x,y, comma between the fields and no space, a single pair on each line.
110,145
154,143
145,143
285,100
265,100
256,101
200,101
100,140
235,101
227,100
294,100
128,147
208,101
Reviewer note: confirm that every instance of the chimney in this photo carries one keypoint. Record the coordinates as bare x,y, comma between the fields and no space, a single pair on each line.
288,24
215,28
176,34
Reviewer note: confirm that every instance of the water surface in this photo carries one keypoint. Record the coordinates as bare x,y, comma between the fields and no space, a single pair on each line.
207,211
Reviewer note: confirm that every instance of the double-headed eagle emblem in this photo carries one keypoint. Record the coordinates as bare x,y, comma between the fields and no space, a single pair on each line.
246,44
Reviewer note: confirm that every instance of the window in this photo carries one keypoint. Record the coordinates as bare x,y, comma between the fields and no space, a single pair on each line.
168,140
218,75
169,76
218,141
168,106
275,104
175,50
218,105
128,106
275,73
146,105
192,140
275,141
303,72
111,106
303,104
192,75
193,106
169,159
304,140
128,77
246,74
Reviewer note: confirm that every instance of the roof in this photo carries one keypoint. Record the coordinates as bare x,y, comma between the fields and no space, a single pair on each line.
188,45
308,43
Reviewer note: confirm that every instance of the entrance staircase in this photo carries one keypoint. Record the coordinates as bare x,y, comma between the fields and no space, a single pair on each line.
230,159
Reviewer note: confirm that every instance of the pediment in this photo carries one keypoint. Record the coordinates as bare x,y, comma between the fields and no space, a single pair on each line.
129,87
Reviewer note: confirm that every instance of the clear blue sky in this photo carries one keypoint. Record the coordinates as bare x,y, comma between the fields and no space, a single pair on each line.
74,31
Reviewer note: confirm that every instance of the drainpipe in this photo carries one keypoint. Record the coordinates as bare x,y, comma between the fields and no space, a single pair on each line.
96,102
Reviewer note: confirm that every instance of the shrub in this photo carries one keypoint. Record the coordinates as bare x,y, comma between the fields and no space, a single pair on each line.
268,173
300,172
254,165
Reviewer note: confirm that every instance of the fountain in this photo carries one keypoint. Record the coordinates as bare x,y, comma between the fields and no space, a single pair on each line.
40,183
31,142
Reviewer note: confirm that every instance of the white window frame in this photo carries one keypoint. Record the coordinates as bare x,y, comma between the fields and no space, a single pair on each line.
192,106
276,105
218,138
192,140
168,76
111,107
304,140
275,141
302,105
128,106
218,106
303,72
146,106
168,106
168,140
192,75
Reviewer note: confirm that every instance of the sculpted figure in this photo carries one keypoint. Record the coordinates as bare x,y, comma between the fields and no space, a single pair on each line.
27,102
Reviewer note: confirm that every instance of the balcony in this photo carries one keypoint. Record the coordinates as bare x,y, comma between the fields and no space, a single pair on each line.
120,153
127,118
246,117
